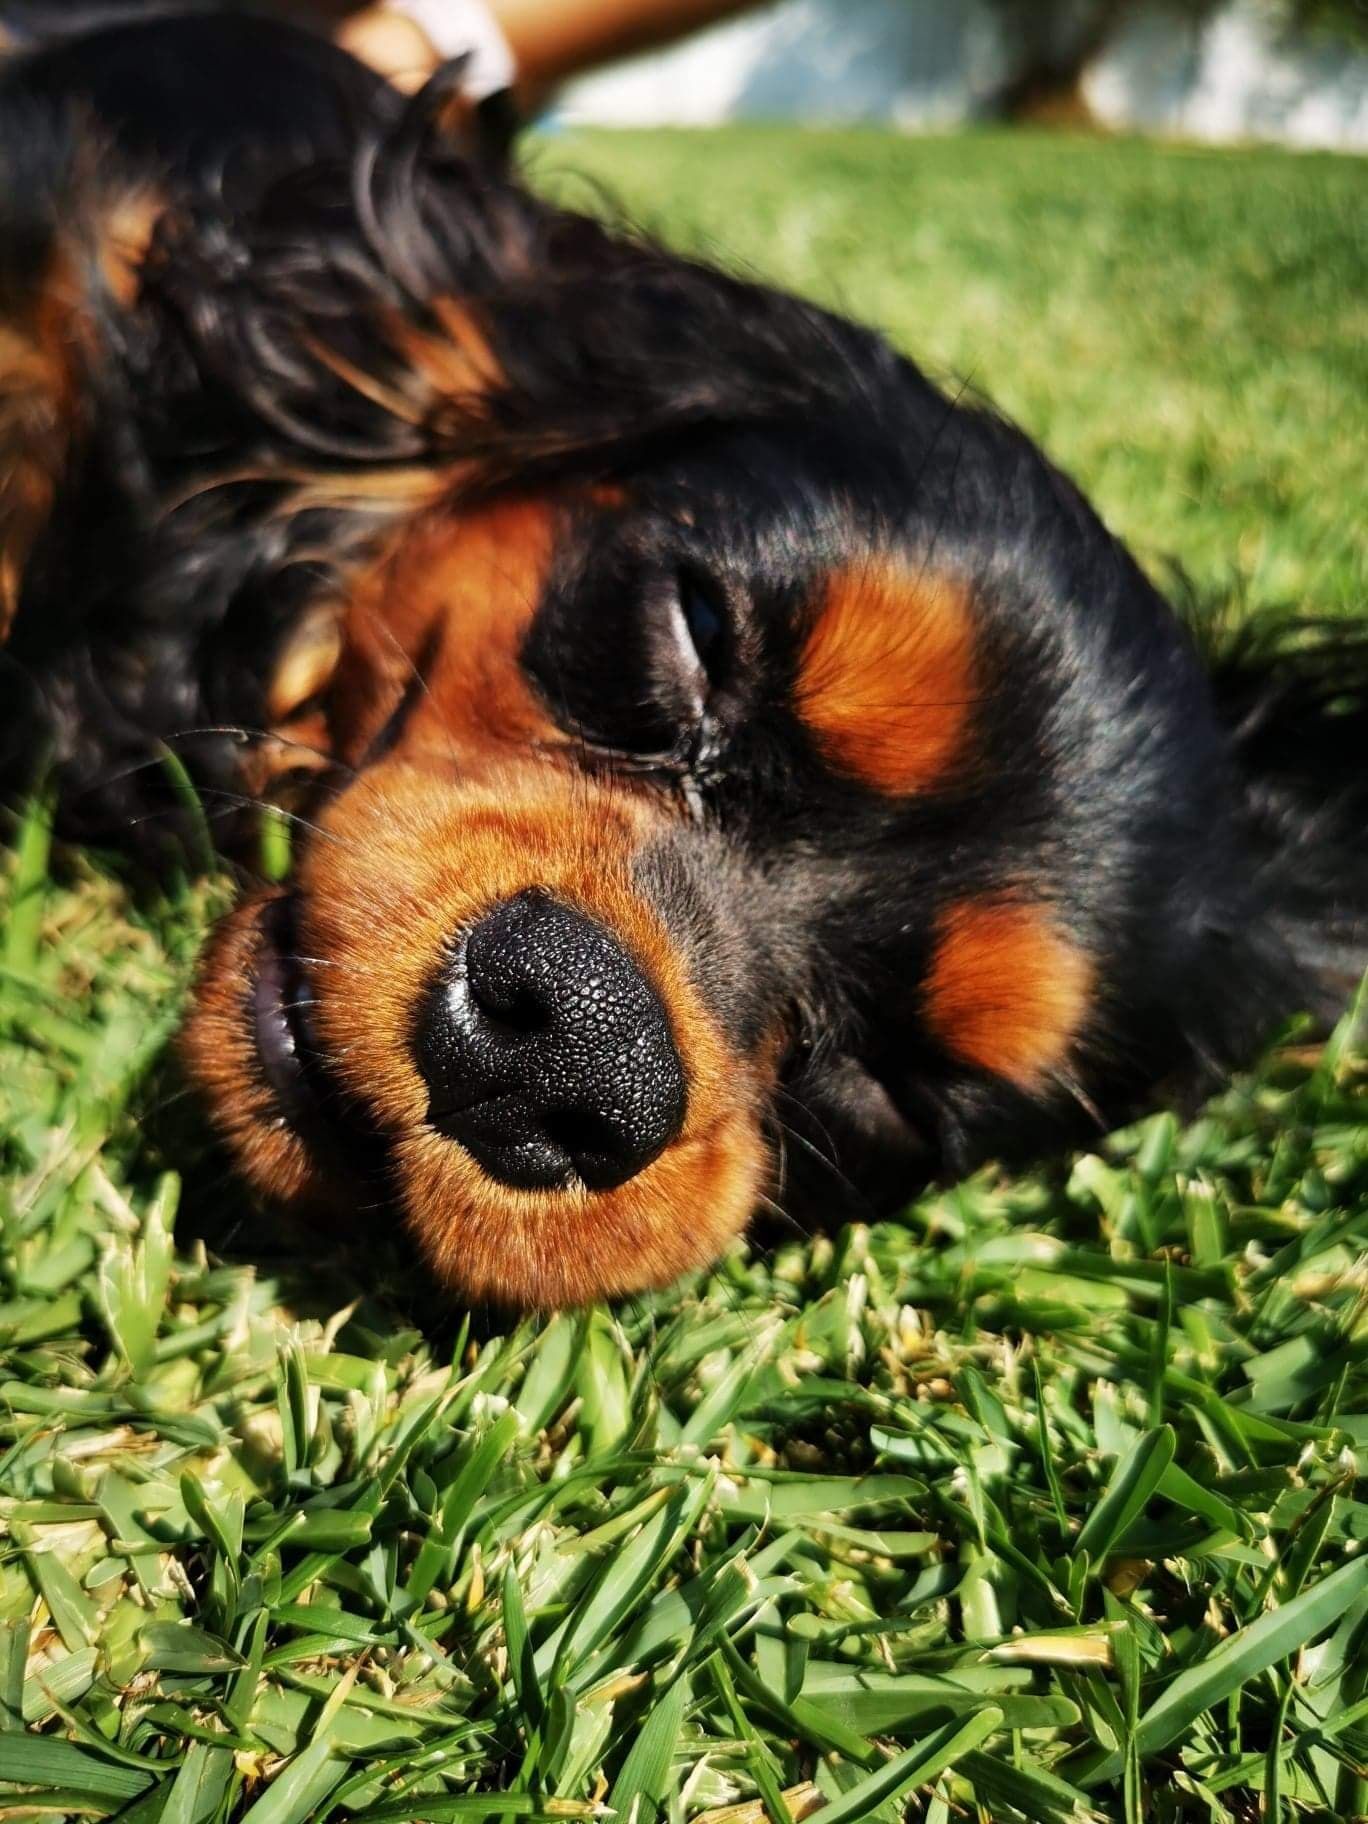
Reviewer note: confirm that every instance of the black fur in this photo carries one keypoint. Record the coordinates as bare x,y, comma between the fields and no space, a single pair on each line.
1198,828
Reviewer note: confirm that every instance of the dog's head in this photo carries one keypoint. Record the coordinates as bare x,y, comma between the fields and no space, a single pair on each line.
714,735
625,775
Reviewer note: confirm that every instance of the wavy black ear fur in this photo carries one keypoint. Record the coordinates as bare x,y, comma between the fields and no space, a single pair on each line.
115,613
211,93
604,343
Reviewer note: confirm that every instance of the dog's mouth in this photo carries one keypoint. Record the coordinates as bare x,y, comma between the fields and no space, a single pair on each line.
290,1059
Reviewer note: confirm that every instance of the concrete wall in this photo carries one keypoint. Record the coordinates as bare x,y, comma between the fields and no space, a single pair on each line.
934,63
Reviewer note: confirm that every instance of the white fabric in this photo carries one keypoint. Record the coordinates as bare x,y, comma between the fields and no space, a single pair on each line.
466,25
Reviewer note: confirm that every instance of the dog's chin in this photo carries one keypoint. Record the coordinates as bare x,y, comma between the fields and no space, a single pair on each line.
303,1138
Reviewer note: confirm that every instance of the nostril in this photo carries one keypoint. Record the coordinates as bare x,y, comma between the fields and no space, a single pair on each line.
592,1144
521,1012
510,974
547,1053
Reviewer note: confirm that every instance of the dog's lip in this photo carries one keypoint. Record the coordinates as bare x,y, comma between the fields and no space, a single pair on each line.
303,1095
280,999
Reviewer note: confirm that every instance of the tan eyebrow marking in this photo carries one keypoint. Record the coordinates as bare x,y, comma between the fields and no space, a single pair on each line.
886,677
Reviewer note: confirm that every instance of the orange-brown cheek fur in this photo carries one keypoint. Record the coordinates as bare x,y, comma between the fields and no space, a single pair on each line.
1007,990
443,613
886,677
440,613
408,861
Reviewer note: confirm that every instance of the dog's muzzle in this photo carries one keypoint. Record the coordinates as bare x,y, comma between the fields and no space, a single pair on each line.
546,1051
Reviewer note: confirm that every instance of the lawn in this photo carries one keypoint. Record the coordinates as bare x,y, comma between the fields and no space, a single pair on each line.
1044,1503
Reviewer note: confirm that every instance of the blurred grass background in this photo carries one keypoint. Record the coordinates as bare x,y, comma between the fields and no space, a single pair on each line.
1045,1503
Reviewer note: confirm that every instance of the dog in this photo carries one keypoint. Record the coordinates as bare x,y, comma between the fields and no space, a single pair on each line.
728,771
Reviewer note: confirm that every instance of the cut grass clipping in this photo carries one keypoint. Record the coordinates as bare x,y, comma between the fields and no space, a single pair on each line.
1043,1503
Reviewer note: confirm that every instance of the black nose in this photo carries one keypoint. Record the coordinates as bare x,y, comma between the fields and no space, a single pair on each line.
547,1052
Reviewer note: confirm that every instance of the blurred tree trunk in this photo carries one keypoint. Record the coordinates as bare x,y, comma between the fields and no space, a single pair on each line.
1051,45
1052,42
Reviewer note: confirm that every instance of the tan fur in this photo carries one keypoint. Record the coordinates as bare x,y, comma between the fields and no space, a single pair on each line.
459,362
40,352
45,347
454,594
1007,990
125,237
306,662
886,678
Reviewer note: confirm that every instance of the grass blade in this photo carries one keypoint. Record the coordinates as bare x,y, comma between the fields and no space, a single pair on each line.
915,1766
1274,1637
644,1777
1135,1478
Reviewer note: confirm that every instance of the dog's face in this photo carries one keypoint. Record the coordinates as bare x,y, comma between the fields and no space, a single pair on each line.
648,785
695,840
507,963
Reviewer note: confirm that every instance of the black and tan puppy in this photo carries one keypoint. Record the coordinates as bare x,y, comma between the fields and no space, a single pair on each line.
710,733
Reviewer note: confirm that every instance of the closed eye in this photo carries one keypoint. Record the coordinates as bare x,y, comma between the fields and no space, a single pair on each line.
706,619
699,624
632,660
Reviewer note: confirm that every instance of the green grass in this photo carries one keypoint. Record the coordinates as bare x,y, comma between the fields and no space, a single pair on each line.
1043,1503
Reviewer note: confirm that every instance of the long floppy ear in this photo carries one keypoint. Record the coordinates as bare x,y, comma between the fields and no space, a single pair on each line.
420,322
71,243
